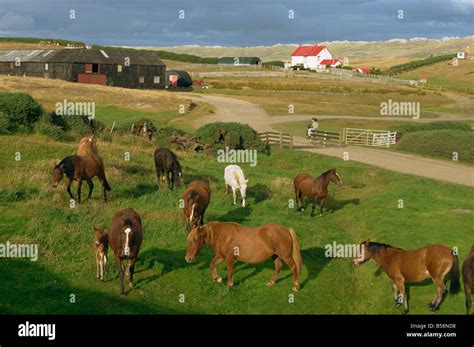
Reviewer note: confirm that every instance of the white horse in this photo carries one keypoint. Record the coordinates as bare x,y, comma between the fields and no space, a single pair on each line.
234,177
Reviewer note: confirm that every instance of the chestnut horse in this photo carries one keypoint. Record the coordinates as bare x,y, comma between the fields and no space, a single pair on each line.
196,198
87,145
79,168
125,239
305,185
101,247
468,278
416,265
232,242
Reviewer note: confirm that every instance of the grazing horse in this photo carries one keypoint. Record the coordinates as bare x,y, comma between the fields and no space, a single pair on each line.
87,145
468,278
234,177
305,185
167,167
414,266
125,239
101,248
196,198
232,242
78,168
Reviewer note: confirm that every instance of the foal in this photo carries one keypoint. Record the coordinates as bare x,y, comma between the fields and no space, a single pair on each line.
125,238
414,266
101,247
79,168
196,198
305,185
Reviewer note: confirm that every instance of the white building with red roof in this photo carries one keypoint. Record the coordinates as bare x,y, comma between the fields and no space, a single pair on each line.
313,57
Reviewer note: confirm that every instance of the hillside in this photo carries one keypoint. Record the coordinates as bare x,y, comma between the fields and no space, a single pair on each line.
375,53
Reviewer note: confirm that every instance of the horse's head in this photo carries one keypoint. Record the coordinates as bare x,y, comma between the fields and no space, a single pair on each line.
334,177
364,254
196,241
100,240
177,177
58,173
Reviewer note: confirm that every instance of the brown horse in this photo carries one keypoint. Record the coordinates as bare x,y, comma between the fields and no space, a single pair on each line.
414,266
196,198
87,145
101,247
167,167
468,278
231,242
79,168
125,239
305,185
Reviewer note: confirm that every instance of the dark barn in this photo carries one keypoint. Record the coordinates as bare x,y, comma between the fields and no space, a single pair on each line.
128,69
178,79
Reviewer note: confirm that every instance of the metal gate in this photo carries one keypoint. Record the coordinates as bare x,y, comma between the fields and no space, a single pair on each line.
368,137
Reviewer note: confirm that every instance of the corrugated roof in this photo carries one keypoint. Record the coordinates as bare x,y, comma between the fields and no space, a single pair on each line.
91,56
307,51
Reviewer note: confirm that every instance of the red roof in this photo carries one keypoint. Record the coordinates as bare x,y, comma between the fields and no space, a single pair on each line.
328,61
307,51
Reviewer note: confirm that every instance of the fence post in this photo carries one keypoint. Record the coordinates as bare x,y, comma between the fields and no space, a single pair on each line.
266,138
291,141
281,140
113,126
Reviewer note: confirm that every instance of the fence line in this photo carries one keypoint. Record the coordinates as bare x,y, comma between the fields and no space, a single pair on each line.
325,138
281,139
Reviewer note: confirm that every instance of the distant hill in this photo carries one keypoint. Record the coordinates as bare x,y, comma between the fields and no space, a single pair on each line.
374,53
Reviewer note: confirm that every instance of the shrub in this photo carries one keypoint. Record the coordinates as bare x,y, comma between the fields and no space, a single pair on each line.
83,126
4,124
440,144
50,130
412,65
232,135
21,109
163,135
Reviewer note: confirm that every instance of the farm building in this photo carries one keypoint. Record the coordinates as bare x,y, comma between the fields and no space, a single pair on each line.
178,79
128,69
241,61
313,57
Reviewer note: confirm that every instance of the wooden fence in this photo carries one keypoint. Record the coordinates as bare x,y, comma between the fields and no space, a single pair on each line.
326,138
276,138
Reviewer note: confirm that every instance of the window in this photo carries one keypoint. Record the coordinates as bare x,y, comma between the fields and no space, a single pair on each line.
88,68
12,66
95,68
141,79
156,79
119,68
46,67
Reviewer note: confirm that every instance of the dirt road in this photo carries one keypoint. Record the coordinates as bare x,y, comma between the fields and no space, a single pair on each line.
233,110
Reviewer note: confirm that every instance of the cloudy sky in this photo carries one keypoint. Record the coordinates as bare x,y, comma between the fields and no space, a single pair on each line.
234,22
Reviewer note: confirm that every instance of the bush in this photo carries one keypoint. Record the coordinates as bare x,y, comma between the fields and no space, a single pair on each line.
21,109
82,125
410,128
440,144
233,135
50,130
4,124
412,65
163,135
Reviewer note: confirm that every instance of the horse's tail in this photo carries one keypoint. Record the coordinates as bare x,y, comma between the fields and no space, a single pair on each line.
295,254
454,285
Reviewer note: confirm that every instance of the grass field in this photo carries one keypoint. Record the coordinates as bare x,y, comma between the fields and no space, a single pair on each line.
364,207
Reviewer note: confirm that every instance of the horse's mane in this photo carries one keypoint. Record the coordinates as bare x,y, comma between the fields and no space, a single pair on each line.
326,173
376,247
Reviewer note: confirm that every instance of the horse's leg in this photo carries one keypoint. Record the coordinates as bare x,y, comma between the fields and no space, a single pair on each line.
216,261
97,264
131,270
314,206
278,267
121,271
102,181
321,205
234,195
440,290
79,186
297,197
401,292
301,201
91,186
68,189
467,291
291,264
395,294
230,270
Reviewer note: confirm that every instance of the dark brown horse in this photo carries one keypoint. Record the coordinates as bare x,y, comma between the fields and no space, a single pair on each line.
101,247
196,198
468,278
81,168
167,167
125,239
414,266
232,242
315,188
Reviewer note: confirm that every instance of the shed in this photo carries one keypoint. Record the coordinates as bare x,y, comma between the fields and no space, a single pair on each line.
178,78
